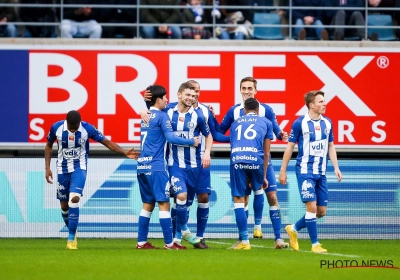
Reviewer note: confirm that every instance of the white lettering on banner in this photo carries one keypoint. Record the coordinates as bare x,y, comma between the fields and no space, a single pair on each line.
334,86
178,72
244,64
345,128
108,87
100,127
40,82
382,133
134,129
38,129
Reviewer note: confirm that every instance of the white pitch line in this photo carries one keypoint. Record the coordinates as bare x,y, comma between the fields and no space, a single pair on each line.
303,251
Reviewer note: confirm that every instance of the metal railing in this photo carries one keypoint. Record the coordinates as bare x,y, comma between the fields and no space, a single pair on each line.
214,25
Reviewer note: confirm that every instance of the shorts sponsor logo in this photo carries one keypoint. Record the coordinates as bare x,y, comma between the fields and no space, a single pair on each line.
305,193
246,166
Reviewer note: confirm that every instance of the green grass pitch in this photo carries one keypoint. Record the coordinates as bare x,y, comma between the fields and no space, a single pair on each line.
118,259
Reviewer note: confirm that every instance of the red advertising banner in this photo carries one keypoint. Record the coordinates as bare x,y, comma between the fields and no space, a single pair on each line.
105,85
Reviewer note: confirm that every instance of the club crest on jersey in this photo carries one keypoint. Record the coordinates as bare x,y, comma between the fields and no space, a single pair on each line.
190,125
82,141
326,131
71,138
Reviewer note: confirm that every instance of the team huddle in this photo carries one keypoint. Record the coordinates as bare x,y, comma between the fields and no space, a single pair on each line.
176,142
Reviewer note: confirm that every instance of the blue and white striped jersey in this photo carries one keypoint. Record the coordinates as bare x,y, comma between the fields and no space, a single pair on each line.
313,138
73,148
153,137
247,139
205,111
237,111
187,125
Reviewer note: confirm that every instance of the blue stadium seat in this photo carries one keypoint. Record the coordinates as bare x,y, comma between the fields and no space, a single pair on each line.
267,33
385,34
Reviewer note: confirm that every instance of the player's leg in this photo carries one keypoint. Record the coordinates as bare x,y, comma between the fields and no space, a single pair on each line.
63,194
321,191
274,210
203,191
148,199
238,188
258,207
77,184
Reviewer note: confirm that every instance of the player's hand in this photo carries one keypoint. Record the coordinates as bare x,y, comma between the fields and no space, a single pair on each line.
338,174
206,161
196,141
49,176
265,184
144,114
212,110
284,135
147,95
132,154
248,182
282,178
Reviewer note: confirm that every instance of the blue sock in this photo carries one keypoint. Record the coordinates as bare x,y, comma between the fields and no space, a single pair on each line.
73,219
202,218
181,214
241,221
258,206
64,215
275,216
178,231
166,225
173,218
144,221
311,224
300,224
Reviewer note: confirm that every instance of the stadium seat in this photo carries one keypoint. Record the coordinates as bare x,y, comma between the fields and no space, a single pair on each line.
385,34
267,33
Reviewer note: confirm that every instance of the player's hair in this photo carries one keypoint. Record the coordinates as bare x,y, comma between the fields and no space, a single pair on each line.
73,118
157,91
249,79
309,97
186,85
194,82
251,104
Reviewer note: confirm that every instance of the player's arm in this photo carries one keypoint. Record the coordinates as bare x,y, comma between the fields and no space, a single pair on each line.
47,157
226,122
179,141
267,150
205,130
217,136
279,133
116,148
51,137
333,157
285,161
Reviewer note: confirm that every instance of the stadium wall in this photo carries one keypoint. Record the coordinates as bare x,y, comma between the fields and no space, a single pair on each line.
365,205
